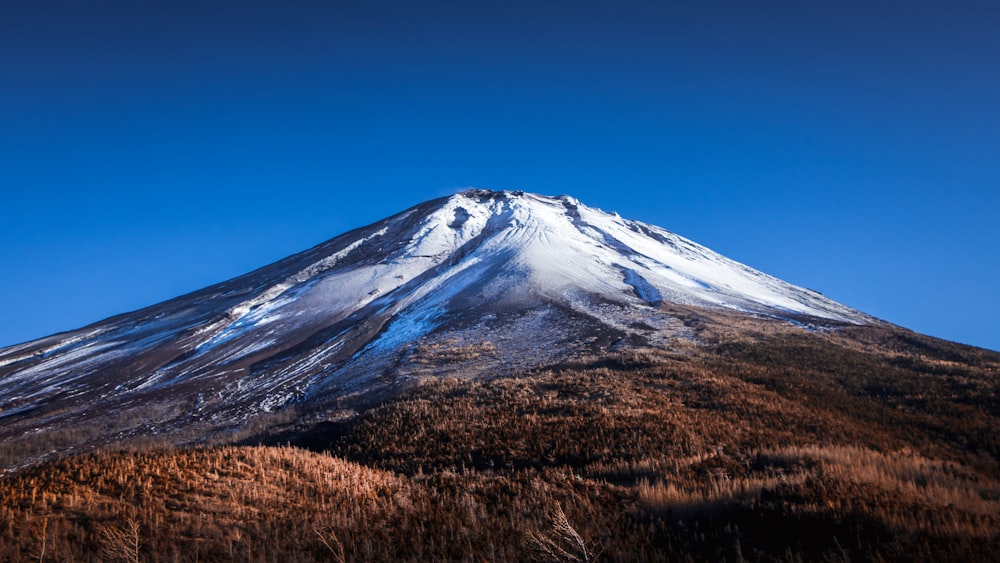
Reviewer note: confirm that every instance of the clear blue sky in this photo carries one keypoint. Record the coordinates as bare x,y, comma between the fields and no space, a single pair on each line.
150,148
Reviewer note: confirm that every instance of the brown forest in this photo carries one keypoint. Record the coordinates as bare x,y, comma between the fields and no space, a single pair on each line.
769,443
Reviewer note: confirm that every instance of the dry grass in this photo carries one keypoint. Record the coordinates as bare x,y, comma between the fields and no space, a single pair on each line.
908,492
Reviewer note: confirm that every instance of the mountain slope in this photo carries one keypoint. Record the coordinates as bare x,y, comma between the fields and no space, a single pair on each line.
770,443
503,279
500,376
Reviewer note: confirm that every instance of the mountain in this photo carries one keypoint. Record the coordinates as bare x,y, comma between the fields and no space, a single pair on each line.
490,281
500,376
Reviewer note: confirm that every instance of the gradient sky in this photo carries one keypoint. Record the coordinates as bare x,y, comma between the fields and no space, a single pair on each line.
151,148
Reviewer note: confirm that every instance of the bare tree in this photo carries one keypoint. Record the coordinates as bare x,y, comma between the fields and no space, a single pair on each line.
122,543
43,536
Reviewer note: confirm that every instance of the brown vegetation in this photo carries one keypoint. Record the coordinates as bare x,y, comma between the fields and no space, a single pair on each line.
867,443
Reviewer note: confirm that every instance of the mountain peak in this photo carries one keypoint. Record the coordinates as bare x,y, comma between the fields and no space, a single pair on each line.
507,278
561,247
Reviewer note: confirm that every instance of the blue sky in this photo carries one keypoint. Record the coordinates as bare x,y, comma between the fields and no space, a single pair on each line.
148,149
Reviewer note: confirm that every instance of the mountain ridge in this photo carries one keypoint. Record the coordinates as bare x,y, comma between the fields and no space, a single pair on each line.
522,279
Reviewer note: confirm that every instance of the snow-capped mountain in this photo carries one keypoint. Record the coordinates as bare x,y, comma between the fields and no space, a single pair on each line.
478,282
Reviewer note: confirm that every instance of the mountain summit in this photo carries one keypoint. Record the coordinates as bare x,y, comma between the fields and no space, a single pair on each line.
479,282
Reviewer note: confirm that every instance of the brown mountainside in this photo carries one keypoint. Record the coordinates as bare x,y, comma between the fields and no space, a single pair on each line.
764,442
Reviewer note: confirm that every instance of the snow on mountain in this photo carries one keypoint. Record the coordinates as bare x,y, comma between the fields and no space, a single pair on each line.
519,277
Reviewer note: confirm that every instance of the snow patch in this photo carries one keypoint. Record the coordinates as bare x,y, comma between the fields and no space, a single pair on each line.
642,288
404,328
